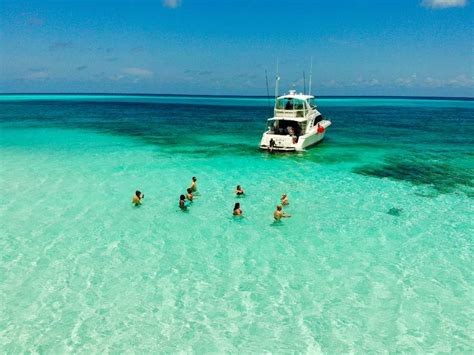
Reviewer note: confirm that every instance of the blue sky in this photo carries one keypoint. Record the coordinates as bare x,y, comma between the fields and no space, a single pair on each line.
359,47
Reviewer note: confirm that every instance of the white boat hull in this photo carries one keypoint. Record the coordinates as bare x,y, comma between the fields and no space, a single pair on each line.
289,143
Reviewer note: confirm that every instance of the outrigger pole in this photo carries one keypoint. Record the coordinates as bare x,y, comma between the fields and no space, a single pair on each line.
268,92
277,79
304,82
310,76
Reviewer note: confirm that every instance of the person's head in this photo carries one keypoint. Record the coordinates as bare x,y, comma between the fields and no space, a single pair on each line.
236,206
138,194
194,179
238,187
189,190
279,208
182,197
283,196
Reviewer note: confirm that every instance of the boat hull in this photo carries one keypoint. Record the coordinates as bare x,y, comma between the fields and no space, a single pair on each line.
287,143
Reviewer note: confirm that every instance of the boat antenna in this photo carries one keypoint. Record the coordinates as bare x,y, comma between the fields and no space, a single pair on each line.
304,83
277,79
268,92
310,76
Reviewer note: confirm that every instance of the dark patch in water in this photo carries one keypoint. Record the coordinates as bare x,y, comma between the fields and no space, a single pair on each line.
216,150
201,130
334,157
443,177
395,212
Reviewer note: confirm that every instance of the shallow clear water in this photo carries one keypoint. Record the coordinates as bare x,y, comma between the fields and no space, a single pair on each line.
377,255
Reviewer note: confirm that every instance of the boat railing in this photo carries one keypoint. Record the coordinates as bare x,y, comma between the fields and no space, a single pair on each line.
290,113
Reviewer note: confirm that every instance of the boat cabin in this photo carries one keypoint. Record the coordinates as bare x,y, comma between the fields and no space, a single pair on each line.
293,105
293,114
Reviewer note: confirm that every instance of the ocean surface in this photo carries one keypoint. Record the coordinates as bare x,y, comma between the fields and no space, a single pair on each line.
378,256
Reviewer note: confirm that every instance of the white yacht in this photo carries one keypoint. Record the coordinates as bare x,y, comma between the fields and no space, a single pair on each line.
296,124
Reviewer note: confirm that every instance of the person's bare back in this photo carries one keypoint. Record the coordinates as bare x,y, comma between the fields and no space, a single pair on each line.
137,198
193,186
279,214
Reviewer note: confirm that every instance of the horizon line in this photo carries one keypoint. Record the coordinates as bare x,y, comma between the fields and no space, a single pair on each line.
420,97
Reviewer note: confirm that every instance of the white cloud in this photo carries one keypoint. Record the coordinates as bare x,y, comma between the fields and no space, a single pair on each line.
366,82
433,82
331,84
139,72
37,75
373,82
443,4
459,81
116,77
462,80
406,81
171,4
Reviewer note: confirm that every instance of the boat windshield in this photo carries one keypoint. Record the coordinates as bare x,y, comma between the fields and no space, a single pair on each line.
312,102
289,104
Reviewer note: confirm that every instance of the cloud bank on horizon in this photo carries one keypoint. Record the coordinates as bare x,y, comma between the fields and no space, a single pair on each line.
389,48
444,4
172,4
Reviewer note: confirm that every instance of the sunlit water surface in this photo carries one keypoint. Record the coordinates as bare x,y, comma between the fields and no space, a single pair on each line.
377,256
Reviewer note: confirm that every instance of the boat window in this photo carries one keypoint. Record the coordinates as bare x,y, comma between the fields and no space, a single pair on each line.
271,126
299,105
312,102
318,119
282,103
289,104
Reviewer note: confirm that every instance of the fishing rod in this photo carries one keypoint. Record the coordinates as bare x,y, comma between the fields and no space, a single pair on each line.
268,91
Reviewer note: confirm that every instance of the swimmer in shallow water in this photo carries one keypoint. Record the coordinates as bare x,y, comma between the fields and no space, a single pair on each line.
239,191
183,204
189,194
137,198
279,214
193,186
237,210
284,200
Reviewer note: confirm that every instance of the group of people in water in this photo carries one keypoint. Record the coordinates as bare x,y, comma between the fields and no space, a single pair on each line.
185,200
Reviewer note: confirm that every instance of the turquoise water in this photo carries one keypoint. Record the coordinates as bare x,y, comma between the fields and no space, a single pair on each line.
377,256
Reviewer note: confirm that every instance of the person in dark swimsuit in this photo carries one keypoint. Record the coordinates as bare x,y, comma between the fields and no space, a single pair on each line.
239,191
237,210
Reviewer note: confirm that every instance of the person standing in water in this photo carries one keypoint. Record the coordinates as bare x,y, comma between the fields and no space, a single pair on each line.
183,204
193,186
239,191
284,200
137,198
237,210
279,214
189,195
